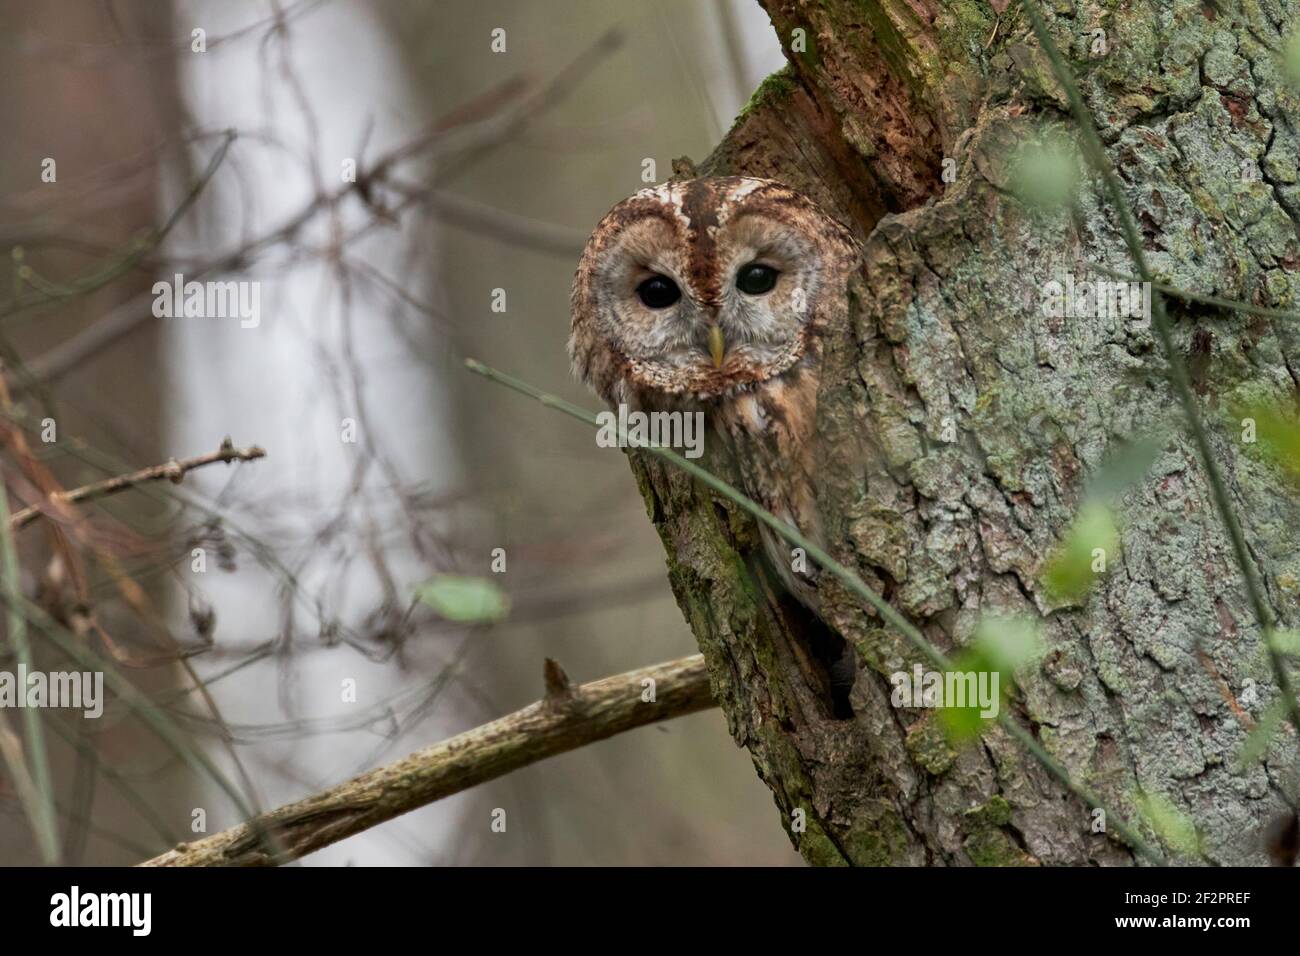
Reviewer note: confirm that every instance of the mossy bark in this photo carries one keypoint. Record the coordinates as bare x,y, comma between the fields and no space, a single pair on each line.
963,425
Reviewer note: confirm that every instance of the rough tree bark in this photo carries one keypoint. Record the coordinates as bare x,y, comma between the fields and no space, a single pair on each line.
1153,683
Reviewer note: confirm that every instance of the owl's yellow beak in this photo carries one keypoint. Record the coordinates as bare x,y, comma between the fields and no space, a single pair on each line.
717,345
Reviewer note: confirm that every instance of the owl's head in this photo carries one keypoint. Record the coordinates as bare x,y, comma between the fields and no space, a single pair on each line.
695,288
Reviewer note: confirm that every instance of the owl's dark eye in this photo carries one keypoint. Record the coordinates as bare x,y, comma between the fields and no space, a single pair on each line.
756,279
658,292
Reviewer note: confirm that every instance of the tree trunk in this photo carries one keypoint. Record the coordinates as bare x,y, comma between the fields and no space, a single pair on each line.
982,421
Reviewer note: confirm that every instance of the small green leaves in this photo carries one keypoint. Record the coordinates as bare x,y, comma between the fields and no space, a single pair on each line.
1285,642
1277,430
1092,540
1261,735
986,670
961,724
1008,643
1174,827
1124,467
465,599
1083,554
1045,173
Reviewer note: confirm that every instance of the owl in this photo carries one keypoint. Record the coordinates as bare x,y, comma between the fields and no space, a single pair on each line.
712,295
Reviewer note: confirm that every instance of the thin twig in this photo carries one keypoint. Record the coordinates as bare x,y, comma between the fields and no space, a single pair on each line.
35,786
51,292
1173,291
498,224
588,713
139,704
172,470
484,122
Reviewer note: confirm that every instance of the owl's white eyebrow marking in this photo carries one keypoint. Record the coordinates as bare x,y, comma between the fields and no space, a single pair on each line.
746,187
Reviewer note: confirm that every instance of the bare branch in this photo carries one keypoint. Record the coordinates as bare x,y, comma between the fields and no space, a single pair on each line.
172,470
591,712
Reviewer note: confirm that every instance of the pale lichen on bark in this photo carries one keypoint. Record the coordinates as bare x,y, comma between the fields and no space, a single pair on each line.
964,425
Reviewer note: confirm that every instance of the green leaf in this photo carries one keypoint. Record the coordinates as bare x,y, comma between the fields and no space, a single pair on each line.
1008,643
1045,174
1291,58
471,600
1091,542
1124,467
1261,735
1001,646
1286,642
1173,826
1278,433
962,724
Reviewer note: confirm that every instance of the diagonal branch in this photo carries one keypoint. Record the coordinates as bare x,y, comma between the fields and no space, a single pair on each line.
557,724
172,470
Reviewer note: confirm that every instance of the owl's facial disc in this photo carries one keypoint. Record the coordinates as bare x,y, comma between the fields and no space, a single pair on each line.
696,289
703,326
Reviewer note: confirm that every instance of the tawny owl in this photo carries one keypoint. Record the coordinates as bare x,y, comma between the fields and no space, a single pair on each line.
712,295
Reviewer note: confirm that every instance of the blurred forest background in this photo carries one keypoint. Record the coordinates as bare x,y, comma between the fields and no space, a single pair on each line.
476,171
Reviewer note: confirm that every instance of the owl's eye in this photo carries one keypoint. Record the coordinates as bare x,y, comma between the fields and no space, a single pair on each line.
756,279
658,292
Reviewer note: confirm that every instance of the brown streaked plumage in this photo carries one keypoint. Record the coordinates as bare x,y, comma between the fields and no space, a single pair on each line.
745,353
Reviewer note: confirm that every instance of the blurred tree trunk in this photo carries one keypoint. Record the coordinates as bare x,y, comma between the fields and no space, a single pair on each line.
983,419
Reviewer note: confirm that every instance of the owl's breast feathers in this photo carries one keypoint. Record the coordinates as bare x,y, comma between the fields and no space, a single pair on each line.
772,431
